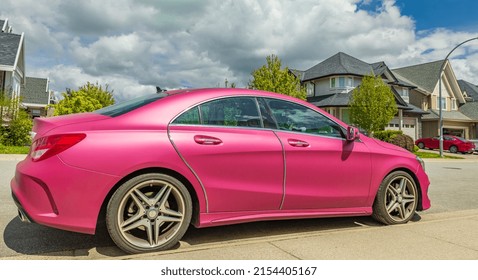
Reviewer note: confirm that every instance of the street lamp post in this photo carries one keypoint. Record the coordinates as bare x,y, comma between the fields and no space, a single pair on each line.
440,113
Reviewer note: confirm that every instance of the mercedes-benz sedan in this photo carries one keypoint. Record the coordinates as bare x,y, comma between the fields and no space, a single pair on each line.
151,166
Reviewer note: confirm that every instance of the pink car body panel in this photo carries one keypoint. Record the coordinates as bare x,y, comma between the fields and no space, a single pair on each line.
250,175
230,169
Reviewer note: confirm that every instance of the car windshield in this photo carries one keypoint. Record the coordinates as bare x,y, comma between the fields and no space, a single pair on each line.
460,138
129,105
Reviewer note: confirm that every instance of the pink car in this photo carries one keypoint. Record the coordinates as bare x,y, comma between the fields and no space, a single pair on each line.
151,166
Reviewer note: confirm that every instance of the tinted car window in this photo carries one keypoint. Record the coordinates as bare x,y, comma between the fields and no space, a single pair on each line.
128,106
232,111
191,116
295,117
267,117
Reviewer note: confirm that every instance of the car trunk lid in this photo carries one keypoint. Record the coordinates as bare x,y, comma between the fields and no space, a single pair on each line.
43,125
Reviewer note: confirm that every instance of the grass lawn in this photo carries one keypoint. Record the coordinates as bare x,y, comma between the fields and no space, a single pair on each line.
434,155
14,149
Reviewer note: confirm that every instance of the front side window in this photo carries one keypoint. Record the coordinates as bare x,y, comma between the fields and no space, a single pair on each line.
295,117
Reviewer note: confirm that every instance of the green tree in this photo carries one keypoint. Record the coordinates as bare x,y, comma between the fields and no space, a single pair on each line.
87,98
372,105
271,77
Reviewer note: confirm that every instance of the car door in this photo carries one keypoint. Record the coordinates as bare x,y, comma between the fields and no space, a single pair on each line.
434,143
240,164
323,170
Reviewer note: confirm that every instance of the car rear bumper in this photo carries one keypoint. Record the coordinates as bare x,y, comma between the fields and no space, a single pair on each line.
53,199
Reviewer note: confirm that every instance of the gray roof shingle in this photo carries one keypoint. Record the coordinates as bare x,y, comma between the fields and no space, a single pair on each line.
470,89
447,115
343,99
337,64
425,75
35,91
470,109
9,44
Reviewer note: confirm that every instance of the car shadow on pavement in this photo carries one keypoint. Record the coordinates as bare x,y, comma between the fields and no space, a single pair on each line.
34,239
39,240
274,229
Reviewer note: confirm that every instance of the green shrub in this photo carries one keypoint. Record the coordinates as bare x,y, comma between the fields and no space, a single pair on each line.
404,141
386,135
18,132
415,148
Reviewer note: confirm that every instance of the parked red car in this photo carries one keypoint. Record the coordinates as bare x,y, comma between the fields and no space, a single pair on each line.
452,143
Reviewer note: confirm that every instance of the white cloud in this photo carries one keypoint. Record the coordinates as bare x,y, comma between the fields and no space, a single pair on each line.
136,45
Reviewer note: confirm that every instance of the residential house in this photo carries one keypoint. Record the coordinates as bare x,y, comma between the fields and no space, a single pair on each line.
470,108
426,96
12,60
330,84
36,96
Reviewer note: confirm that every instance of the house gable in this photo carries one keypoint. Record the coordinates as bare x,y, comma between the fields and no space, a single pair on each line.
469,90
425,77
36,92
10,49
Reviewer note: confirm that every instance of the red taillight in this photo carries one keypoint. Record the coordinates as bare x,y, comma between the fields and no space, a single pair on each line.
48,146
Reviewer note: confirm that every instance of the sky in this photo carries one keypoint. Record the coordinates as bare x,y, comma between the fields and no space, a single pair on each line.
135,45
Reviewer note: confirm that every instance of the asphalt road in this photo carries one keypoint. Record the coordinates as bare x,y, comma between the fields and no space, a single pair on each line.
453,190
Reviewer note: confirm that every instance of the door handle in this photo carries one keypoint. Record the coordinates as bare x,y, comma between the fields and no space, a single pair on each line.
207,140
298,143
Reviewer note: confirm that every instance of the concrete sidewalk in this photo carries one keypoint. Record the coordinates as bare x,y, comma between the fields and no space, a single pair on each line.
443,236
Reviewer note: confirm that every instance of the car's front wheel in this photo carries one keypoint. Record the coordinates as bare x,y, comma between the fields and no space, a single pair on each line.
396,199
453,149
421,145
150,212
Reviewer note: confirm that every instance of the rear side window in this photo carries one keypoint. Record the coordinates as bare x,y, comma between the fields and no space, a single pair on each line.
231,111
129,105
191,116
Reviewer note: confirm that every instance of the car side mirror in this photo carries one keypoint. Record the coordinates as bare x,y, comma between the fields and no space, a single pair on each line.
352,133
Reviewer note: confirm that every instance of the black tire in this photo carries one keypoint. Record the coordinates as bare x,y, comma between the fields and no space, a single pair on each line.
453,149
150,212
396,199
421,145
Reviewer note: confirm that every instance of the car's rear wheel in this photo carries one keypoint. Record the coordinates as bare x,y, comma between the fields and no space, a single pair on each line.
150,212
396,199
421,145
453,149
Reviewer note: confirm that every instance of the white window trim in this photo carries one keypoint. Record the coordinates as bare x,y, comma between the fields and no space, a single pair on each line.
347,80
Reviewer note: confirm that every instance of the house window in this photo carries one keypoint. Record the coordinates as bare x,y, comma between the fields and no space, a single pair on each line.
453,104
310,89
443,103
341,82
345,115
36,112
404,93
